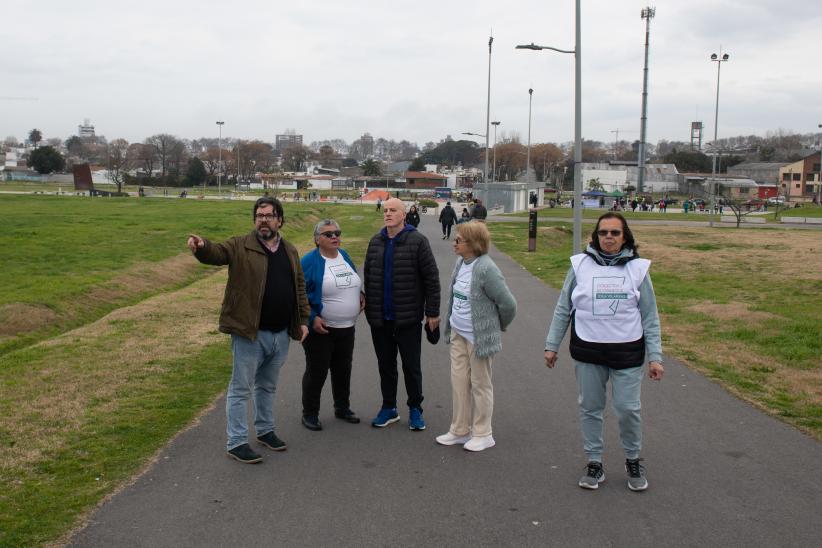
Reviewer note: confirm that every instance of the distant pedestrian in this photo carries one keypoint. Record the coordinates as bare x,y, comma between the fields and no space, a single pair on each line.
402,286
332,286
465,216
633,205
413,217
480,307
609,302
448,217
379,204
264,305
480,213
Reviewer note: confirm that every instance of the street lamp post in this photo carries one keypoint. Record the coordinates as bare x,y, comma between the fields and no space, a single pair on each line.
494,166
647,14
219,156
488,110
577,51
819,179
528,155
718,59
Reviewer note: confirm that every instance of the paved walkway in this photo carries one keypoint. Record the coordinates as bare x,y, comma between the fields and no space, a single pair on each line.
721,473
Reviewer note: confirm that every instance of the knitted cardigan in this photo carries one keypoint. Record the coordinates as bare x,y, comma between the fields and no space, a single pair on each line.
493,307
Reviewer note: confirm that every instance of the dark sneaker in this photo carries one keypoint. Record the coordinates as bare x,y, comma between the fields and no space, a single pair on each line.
415,421
385,417
594,475
312,422
636,475
244,453
271,441
348,416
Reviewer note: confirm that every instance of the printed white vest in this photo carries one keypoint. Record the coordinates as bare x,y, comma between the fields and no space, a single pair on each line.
606,299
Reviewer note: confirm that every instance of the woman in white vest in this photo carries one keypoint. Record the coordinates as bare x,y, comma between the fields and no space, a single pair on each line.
609,302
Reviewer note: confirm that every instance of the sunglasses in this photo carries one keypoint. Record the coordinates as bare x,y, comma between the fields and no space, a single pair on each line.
331,233
606,232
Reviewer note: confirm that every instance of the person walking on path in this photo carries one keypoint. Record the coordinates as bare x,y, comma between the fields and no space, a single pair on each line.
448,218
333,288
479,213
480,307
379,204
609,301
402,286
413,217
264,305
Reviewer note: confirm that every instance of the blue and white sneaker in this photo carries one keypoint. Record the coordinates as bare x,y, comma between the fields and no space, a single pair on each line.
415,421
385,417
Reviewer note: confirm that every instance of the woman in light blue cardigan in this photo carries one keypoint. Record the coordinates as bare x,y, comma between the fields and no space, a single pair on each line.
480,307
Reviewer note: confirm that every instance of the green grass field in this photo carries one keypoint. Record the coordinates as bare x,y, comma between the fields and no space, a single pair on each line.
129,353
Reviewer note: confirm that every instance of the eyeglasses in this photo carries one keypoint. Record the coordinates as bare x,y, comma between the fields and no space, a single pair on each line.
331,233
460,240
265,217
613,233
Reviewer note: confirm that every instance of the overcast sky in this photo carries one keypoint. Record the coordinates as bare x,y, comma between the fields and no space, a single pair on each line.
401,69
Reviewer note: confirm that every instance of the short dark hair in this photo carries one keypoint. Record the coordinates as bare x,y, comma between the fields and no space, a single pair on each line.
626,232
273,202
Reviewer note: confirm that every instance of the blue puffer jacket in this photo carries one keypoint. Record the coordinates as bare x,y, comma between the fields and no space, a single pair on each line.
313,264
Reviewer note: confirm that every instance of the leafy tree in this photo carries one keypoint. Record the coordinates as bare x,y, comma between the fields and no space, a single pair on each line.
75,146
46,160
417,165
594,184
196,171
371,167
688,162
349,162
543,158
35,136
452,152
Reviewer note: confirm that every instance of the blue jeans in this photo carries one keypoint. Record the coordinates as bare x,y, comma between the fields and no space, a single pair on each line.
592,383
256,365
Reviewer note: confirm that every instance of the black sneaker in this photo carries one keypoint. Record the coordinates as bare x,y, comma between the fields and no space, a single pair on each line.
636,475
244,453
347,415
271,441
312,422
594,475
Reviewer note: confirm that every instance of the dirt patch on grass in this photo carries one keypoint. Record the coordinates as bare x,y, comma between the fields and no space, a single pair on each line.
730,311
22,317
776,253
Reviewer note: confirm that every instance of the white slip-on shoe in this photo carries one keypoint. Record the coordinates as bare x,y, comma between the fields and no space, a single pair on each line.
479,444
451,439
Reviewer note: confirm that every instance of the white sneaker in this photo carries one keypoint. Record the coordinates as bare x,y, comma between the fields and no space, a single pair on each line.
479,444
451,439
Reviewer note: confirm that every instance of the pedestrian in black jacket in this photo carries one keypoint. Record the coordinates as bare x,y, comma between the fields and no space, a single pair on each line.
448,218
413,217
402,286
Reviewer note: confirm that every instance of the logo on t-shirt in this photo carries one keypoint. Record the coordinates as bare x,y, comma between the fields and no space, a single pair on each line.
342,274
608,291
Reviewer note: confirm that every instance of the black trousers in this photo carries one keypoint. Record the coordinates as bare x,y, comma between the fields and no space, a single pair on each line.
407,339
446,230
323,353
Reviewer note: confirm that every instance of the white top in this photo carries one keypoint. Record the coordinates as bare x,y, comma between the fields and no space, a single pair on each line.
461,308
341,293
606,299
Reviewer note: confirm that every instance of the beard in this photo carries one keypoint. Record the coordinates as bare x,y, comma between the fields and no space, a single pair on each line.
268,235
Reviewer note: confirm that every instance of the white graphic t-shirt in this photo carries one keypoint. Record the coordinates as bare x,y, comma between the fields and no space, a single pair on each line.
341,293
461,308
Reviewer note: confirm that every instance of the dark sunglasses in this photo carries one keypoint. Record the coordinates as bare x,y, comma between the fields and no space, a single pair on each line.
605,232
331,233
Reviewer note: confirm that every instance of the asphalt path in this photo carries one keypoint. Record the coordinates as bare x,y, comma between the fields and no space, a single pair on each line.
721,473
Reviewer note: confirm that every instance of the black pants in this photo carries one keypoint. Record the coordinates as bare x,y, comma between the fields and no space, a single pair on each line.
446,230
407,339
323,352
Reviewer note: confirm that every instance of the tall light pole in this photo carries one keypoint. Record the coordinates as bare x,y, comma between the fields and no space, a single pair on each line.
488,111
494,166
577,51
219,156
718,59
819,179
528,155
647,14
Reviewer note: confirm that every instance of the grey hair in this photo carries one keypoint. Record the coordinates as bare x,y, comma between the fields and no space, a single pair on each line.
318,227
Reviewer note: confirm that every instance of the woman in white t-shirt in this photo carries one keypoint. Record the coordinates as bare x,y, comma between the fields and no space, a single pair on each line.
480,307
333,289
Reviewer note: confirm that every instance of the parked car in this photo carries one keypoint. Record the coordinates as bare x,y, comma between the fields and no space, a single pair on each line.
776,200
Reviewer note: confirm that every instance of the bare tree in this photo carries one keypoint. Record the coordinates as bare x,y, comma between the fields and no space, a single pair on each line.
118,161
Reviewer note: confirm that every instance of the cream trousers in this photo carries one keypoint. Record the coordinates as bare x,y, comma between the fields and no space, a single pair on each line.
471,389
